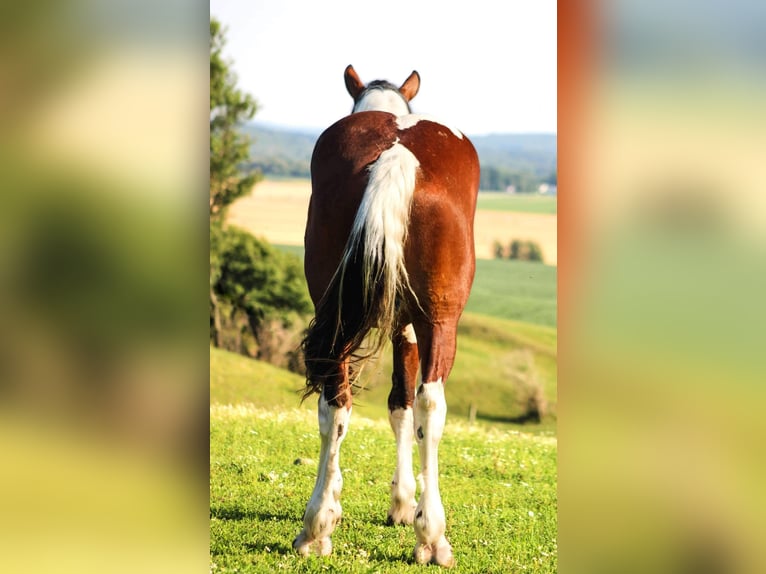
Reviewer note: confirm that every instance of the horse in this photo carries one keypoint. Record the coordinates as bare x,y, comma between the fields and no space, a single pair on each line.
389,255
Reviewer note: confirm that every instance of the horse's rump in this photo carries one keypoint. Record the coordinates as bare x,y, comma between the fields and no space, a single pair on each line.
415,180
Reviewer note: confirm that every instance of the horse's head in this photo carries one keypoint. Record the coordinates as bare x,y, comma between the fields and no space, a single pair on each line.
381,95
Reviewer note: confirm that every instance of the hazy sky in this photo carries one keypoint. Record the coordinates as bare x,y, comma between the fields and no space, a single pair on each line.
485,66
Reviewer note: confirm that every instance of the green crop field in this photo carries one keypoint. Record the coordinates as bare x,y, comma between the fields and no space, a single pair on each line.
519,290
498,489
524,203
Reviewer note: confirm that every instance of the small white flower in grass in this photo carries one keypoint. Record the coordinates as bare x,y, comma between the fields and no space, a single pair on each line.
531,514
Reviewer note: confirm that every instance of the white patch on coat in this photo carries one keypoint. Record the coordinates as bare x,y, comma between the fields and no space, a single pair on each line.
405,122
402,510
382,101
409,334
323,510
430,410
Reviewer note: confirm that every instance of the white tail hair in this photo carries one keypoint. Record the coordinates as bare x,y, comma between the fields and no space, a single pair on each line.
381,228
372,266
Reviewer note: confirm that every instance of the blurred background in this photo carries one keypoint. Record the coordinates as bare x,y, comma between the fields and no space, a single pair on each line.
662,274
103,415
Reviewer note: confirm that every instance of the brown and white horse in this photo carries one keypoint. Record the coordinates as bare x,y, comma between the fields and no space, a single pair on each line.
389,246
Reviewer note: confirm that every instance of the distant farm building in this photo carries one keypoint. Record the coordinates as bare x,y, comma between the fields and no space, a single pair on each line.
547,189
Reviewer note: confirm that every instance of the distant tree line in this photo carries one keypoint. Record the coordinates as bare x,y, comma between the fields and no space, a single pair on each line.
499,178
281,167
518,250
493,178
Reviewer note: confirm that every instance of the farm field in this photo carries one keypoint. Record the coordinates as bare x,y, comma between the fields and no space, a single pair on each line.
276,210
498,489
517,290
524,203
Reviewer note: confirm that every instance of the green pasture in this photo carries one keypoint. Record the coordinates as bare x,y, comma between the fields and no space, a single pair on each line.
508,289
498,488
519,290
523,203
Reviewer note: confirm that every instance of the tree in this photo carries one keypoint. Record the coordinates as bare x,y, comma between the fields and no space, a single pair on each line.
257,288
229,148
252,285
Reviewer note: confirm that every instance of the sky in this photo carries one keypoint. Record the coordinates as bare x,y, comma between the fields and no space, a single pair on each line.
485,66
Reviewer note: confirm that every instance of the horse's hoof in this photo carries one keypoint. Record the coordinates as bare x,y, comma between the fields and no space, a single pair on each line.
324,546
443,554
439,553
398,516
301,544
422,553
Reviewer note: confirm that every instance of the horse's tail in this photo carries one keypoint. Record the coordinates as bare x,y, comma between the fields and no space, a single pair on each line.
371,276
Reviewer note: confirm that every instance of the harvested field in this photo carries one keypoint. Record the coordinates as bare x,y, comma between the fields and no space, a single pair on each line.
277,211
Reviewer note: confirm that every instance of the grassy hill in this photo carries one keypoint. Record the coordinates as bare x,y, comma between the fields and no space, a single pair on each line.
499,365
236,379
532,152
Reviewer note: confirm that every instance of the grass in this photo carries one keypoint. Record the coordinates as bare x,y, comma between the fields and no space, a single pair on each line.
498,489
236,379
523,203
517,290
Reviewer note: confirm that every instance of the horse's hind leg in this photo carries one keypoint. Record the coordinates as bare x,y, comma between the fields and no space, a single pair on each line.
437,350
323,510
400,416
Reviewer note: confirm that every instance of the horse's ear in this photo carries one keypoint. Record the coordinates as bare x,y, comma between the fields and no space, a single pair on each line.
353,84
410,86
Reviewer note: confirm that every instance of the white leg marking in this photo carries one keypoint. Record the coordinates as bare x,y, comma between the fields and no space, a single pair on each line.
409,334
402,509
323,510
430,523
